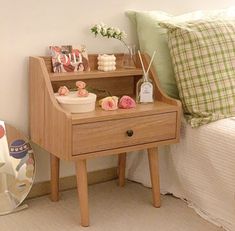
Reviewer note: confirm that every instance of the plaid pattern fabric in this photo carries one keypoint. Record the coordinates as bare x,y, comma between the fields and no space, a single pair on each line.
203,56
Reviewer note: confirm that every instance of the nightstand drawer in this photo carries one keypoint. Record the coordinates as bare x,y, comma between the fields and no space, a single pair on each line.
100,136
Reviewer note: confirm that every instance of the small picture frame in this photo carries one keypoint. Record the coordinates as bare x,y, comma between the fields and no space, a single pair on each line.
67,58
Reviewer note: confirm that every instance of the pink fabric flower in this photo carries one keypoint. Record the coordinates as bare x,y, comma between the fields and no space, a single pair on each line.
63,90
126,102
82,93
80,84
109,103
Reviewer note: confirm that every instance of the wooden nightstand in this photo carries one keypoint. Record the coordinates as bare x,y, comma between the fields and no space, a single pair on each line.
77,137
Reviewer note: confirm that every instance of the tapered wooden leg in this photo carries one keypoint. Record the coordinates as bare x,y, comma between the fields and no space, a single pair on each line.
55,168
154,173
121,168
82,188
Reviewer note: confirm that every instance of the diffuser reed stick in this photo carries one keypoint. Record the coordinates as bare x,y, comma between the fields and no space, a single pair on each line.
141,62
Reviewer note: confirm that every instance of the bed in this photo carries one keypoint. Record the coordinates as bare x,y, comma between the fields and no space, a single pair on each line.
201,168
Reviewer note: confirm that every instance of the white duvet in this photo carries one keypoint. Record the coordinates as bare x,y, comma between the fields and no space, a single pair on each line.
200,169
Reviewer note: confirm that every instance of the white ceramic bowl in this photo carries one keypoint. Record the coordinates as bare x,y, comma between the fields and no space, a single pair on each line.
75,104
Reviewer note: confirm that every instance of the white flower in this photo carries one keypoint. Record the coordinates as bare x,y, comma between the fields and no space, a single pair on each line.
104,31
110,32
98,28
117,30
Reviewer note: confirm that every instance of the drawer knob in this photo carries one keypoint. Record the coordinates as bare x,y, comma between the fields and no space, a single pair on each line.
129,133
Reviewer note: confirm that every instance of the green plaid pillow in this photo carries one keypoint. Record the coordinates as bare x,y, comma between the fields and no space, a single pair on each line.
203,56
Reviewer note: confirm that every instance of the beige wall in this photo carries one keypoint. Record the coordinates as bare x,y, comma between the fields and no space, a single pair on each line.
28,27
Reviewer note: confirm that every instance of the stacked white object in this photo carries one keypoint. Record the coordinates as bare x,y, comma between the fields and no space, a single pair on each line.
106,62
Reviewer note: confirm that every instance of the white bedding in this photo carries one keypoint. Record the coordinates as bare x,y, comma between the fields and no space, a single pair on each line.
200,169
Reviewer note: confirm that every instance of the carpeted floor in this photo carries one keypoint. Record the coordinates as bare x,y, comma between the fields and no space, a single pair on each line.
111,209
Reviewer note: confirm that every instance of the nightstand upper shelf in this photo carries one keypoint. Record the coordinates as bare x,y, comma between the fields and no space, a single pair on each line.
95,74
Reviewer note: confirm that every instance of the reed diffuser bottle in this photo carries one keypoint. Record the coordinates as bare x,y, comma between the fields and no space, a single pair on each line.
144,90
144,87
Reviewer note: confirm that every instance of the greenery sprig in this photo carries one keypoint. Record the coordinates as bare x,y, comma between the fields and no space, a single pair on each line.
109,32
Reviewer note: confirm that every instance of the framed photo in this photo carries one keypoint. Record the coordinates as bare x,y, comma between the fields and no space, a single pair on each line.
67,58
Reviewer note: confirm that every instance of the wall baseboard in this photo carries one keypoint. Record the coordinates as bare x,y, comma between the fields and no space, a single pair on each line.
69,182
